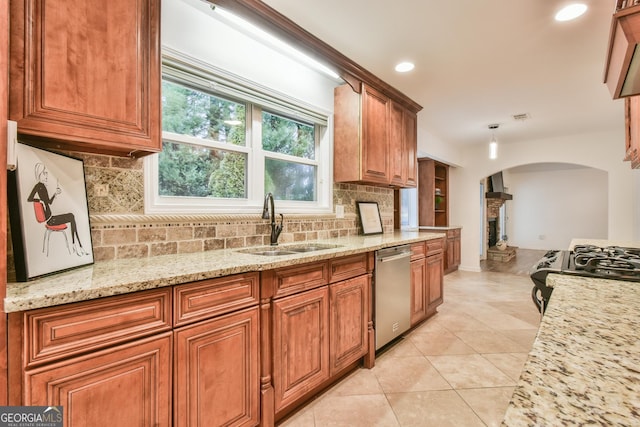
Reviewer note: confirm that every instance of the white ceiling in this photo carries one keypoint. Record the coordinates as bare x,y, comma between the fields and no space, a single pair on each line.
478,62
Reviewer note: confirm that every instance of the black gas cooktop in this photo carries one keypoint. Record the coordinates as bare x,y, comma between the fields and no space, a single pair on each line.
607,262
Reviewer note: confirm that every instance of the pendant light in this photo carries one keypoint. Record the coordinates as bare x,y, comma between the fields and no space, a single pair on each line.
493,144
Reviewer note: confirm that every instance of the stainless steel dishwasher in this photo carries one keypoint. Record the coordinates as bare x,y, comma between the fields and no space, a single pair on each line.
392,293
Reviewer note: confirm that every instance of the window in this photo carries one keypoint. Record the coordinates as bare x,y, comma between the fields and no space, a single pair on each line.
198,158
409,208
225,145
290,166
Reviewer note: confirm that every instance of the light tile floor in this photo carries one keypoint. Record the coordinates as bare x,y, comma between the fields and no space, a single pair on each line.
458,368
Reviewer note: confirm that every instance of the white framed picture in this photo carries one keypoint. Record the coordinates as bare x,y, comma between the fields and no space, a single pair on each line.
48,211
370,220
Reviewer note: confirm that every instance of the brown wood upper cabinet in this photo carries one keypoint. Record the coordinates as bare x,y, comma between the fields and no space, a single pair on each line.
632,130
621,74
85,75
376,133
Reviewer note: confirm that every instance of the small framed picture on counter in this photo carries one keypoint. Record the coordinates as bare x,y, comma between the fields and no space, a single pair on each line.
48,212
370,220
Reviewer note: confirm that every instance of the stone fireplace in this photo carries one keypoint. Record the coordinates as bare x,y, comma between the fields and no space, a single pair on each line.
494,202
492,231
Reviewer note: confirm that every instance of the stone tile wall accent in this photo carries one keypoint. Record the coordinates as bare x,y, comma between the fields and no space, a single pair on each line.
119,228
116,237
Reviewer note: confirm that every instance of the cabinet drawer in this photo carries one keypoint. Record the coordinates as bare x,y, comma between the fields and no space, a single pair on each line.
435,246
453,233
289,280
418,250
59,332
347,267
208,298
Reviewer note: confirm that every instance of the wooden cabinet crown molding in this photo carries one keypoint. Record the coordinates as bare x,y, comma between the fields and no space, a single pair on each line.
267,18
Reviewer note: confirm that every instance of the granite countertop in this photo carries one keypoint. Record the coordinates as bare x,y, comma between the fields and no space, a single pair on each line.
129,275
584,367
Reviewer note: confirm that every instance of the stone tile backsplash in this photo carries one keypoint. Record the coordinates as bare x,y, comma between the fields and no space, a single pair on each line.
119,228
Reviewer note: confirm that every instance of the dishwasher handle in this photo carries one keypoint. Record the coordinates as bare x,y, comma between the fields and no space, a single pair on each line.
394,257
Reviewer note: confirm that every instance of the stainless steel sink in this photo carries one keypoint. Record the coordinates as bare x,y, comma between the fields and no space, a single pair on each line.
312,247
288,250
274,252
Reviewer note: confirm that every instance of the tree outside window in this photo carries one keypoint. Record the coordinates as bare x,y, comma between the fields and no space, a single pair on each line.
211,165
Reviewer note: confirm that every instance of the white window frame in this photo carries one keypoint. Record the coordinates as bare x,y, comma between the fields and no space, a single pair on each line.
257,97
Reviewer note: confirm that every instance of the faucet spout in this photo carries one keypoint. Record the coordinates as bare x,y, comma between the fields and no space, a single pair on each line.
276,229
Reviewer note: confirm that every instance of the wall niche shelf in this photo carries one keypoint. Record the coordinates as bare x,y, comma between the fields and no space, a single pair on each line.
433,190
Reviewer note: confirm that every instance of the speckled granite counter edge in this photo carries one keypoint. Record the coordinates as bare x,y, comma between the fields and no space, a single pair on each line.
130,275
583,367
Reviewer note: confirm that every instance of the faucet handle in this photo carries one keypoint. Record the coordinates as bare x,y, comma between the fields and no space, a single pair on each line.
278,227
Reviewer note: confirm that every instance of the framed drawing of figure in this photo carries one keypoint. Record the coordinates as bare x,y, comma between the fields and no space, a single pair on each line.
48,211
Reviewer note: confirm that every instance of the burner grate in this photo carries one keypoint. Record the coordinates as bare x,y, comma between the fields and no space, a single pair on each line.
609,262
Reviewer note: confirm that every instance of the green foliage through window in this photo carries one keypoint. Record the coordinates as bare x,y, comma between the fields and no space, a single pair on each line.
190,112
199,171
191,171
218,166
289,180
286,136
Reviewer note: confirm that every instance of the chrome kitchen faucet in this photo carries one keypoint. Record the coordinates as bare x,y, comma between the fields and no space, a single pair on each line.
276,229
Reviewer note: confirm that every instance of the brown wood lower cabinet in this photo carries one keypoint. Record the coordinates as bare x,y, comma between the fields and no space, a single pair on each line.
242,350
216,372
452,251
434,282
300,345
112,361
427,275
349,317
128,385
316,335
418,290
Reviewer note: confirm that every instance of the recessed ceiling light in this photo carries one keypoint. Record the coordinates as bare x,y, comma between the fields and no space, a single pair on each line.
403,67
571,11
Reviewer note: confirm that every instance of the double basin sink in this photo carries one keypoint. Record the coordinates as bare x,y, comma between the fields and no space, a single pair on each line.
288,250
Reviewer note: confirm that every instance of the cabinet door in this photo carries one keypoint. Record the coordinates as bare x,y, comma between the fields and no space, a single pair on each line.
410,137
456,250
375,137
632,125
435,280
216,372
128,385
450,251
300,345
397,156
419,290
87,74
426,192
349,311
